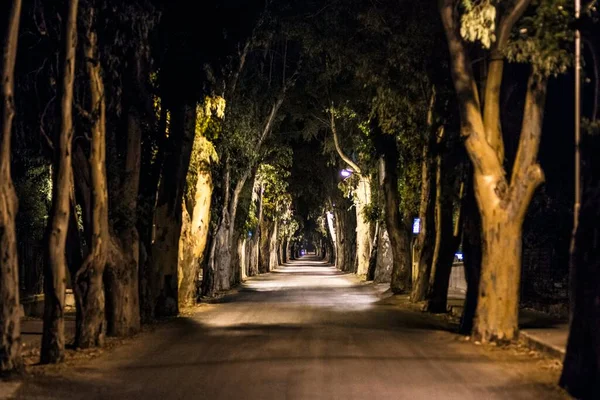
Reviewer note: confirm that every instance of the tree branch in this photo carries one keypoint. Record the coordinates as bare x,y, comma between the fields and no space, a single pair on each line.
527,174
482,155
507,22
338,148
491,112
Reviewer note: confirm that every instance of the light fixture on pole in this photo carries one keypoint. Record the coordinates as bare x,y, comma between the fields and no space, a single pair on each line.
346,173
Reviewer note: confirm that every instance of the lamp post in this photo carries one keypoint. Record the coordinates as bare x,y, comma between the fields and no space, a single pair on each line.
577,204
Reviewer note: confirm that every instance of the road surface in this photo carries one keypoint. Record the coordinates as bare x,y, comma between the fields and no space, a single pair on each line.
305,331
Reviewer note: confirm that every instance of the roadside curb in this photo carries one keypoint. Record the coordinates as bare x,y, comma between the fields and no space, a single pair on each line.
534,342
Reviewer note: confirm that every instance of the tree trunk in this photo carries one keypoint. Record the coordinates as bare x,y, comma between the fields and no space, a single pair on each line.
396,225
234,278
581,367
53,338
196,223
254,256
273,262
167,215
345,229
88,279
449,242
264,252
122,290
10,320
122,273
362,199
424,245
472,259
385,259
373,258
502,203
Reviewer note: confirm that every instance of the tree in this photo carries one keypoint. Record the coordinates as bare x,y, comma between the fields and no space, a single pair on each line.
10,319
502,202
88,282
53,339
361,195
581,367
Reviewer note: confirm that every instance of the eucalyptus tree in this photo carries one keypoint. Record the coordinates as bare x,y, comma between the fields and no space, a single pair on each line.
524,31
10,319
53,339
252,113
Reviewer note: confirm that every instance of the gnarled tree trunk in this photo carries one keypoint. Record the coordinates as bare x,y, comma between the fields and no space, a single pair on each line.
167,216
53,338
122,272
88,284
396,224
10,320
502,203
345,233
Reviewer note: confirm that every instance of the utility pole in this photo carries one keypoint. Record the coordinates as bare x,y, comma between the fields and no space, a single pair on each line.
577,199
577,118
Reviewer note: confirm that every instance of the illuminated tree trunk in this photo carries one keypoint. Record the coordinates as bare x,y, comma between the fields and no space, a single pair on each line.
264,253
196,222
424,245
362,199
167,215
396,224
502,203
53,338
273,258
345,229
254,255
10,320
88,283
218,274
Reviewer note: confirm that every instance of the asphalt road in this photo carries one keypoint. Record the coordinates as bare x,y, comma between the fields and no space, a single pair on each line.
305,331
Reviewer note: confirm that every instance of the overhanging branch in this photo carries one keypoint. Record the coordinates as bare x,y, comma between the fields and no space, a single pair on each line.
338,148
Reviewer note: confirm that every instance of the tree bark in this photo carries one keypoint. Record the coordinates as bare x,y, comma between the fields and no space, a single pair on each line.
502,203
10,320
449,241
424,246
581,367
53,338
362,199
264,251
196,222
472,258
396,224
373,258
167,215
345,229
273,260
122,272
88,284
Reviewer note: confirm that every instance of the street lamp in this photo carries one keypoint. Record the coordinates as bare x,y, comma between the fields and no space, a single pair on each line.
346,172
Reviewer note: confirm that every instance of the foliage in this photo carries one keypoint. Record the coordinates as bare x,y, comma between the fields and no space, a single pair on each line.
543,38
478,22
